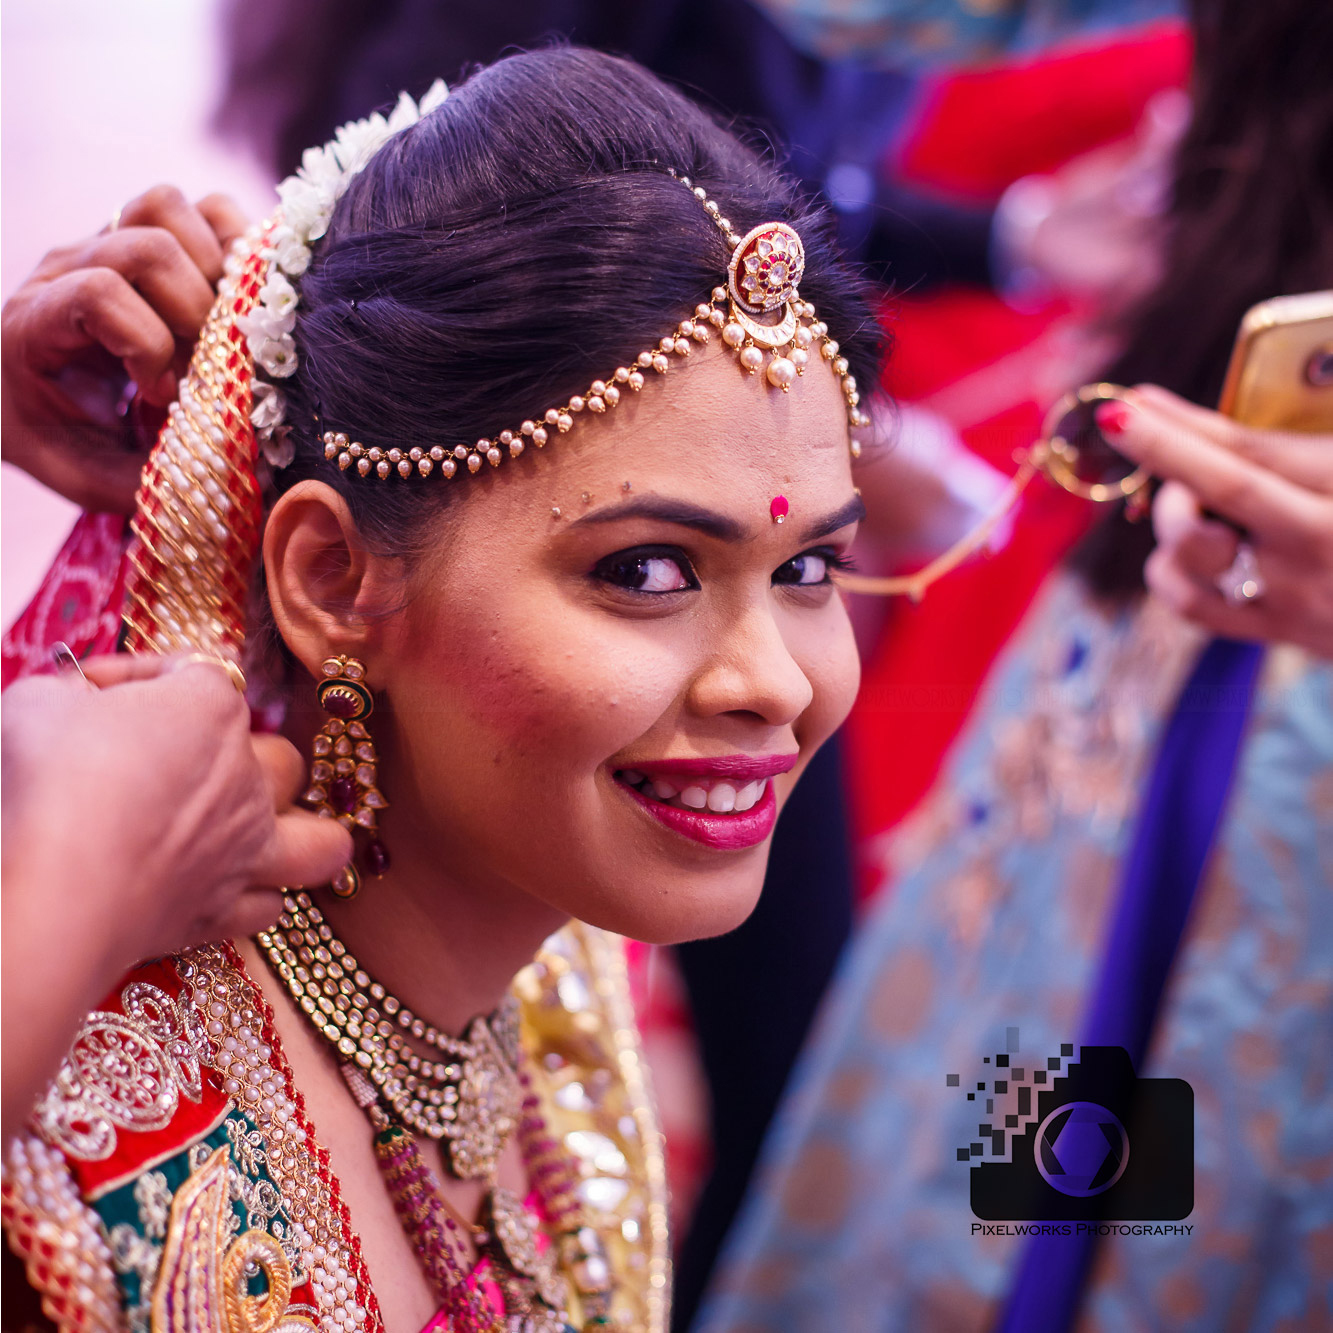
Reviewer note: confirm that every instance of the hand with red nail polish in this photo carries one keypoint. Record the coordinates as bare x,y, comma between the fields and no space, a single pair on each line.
1274,491
1112,417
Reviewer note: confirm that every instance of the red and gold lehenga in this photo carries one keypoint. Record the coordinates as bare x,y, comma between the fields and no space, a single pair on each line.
146,1194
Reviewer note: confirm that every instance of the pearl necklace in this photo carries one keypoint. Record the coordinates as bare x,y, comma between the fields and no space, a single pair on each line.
471,1097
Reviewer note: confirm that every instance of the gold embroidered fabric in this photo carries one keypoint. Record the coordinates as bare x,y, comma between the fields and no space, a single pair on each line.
58,1238
576,1023
203,1281
199,515
579,1029
124,1071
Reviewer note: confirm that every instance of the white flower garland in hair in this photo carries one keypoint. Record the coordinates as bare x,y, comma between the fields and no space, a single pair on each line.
307,202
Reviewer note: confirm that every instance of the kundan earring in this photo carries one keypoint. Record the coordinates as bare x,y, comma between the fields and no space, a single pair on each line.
343,768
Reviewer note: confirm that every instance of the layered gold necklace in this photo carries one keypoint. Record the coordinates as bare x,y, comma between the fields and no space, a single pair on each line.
467,1091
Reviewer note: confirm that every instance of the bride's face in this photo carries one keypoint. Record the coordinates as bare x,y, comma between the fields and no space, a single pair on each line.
606,676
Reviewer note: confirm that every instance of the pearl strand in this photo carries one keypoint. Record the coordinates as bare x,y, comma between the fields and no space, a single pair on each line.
244,1060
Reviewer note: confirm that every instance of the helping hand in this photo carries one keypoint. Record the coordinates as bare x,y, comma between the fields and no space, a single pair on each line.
1276,485
139,818
123,306
149,804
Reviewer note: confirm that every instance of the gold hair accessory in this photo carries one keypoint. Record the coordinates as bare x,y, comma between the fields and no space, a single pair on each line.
763,278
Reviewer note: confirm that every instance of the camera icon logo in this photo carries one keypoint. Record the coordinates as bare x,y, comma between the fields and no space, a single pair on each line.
1053,1138
1082,1149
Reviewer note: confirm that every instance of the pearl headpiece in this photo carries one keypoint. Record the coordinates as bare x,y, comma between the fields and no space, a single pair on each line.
763,278
200,505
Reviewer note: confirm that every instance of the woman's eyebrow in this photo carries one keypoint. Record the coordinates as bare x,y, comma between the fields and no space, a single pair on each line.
852,512
680,512
708,521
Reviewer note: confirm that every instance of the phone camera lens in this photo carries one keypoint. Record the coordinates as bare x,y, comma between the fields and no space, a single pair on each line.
1319,368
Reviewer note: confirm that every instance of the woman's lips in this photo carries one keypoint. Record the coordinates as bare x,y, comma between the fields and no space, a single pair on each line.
724,803
744,767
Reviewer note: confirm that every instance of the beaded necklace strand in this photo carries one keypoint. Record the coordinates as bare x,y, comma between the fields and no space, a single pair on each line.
474,1099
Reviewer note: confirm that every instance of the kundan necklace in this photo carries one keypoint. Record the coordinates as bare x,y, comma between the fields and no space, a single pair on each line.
471,1092
465,1090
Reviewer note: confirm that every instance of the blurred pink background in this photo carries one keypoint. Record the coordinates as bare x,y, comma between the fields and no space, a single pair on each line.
99,102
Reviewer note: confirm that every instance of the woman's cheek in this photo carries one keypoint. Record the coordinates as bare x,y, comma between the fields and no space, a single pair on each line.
502,664
833,667
577,690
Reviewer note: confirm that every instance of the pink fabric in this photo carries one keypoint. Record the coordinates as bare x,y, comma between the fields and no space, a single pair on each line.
79,600
478,1279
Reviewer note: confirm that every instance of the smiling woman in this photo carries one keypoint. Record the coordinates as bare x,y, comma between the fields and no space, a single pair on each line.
673,624
544,673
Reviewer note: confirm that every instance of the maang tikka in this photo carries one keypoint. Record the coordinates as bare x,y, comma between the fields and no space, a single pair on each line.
343,768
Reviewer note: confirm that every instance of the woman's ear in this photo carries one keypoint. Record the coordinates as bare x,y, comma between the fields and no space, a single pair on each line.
324,586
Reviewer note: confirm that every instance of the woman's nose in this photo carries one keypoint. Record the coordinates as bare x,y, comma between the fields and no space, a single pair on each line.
751,670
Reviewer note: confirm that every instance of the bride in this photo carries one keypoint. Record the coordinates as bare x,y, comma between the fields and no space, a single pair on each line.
540,400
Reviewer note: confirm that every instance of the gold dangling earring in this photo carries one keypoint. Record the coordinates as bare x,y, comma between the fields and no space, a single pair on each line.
343,766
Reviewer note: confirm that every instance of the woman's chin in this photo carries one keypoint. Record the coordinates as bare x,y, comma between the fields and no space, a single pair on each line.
674,912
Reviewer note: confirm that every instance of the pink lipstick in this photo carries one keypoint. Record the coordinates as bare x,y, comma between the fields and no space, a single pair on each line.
723,831
725,802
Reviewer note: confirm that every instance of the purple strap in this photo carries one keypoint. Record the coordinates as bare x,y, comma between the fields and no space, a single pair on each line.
1177,826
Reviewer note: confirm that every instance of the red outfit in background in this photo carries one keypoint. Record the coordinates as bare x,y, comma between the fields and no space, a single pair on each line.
981,365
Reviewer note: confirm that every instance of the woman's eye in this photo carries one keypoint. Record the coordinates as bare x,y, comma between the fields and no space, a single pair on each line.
809,568
647,571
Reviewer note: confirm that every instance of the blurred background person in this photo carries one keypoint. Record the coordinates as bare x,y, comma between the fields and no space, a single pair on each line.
1129,846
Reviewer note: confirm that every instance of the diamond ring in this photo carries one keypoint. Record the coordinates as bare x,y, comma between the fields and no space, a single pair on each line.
1241,581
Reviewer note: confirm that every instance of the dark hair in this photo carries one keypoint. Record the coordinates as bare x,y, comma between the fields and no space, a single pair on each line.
521,240
1251,218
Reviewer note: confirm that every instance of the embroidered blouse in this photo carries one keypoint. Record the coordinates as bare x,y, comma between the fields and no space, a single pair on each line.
172,1179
